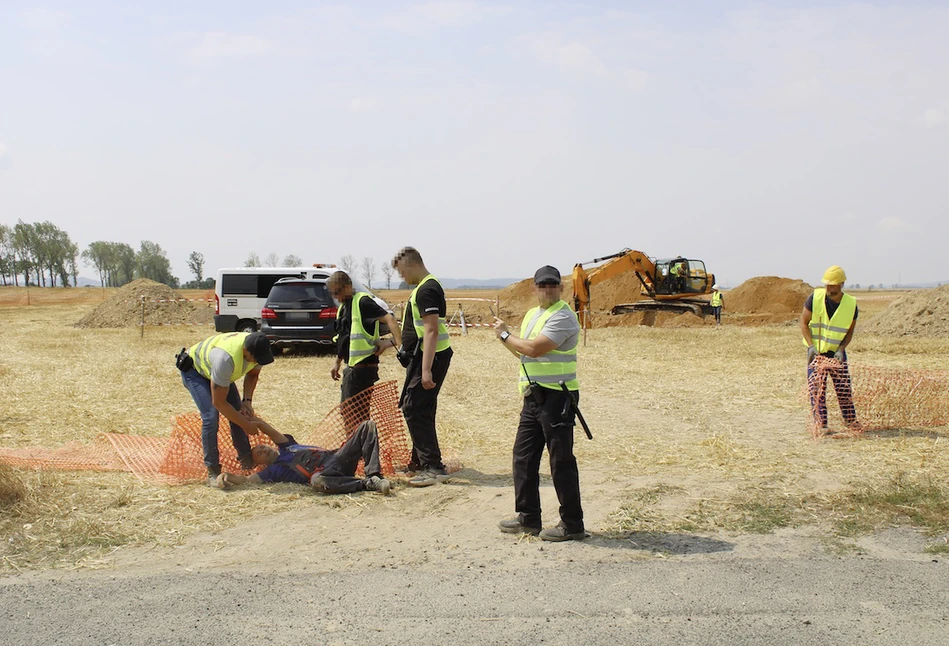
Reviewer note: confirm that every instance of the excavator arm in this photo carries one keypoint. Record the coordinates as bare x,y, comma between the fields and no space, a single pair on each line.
618,263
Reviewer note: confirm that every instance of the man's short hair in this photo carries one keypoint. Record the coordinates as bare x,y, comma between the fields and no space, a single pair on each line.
409,255
339,279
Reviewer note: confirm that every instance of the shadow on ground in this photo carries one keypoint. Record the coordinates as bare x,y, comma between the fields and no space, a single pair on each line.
904,432
679,544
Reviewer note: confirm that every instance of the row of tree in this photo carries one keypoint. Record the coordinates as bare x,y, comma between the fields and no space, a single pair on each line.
40,252
117,263
272,260
365,269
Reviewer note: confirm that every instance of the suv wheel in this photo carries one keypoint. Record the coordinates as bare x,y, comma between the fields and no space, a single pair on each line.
247,326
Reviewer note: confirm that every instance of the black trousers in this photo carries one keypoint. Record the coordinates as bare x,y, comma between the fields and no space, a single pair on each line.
419,407
340,469
544,424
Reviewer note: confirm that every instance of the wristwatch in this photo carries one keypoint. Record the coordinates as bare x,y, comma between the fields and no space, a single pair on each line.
505,335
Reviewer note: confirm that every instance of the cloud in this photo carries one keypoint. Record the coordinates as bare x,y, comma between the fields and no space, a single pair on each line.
934,117
441,14
361,105
890,223
42,19
217,45
576,58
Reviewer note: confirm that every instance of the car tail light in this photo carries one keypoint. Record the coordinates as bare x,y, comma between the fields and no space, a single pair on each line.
328,313
268,313
217,304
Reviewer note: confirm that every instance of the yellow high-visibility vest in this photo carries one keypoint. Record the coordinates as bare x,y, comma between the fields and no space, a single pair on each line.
716,299
362,344
418,324
828,333
230,342
550,369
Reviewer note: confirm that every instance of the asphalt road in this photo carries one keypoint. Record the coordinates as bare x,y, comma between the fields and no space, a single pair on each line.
850,600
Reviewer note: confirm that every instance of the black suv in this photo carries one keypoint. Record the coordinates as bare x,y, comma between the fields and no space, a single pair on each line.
299,311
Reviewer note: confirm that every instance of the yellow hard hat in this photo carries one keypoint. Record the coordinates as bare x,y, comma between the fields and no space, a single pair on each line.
834,276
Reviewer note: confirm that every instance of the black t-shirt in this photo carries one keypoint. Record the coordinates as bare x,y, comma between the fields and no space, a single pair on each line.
430,298
829,304
371,312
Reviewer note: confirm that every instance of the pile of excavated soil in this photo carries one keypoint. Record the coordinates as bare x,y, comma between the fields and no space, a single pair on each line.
124,308
624,288
771,298
652,319
923,312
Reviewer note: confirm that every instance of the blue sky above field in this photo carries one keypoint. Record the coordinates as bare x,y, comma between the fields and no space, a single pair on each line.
764,138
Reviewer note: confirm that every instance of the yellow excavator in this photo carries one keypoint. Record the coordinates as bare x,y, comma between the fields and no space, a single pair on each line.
668,284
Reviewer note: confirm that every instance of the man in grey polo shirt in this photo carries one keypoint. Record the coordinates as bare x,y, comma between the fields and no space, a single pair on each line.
547,349
209,370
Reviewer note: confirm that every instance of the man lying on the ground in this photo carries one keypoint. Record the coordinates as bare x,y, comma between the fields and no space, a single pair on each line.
327,471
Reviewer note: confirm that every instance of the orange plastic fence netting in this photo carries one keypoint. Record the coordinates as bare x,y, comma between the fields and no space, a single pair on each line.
179,459
868,398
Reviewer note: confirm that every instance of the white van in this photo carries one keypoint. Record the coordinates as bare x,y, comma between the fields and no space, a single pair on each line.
240,293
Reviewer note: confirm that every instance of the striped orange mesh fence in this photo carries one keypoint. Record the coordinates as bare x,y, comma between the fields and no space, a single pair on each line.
179,459
846,401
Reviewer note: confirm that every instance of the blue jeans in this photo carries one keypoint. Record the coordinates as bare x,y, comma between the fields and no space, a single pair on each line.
200,389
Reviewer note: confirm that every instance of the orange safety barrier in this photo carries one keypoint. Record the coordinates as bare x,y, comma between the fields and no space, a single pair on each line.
179,459
879,398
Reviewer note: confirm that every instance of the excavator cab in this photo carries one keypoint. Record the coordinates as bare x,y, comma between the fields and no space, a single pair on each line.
681,276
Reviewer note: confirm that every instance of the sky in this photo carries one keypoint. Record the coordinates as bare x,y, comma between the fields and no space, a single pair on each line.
763,138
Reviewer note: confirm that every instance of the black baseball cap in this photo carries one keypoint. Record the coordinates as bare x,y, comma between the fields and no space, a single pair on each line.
257,344
546,274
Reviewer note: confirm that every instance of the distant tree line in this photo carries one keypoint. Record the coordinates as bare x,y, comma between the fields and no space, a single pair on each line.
41,253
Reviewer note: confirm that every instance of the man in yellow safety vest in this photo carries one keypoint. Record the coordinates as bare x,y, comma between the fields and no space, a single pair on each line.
547,348
357,341
717,302
209,370
426,354
827,324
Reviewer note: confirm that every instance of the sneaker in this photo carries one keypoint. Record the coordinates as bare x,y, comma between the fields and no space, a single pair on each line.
514,526
560,533
247,462
378,483
428,477
318,483
411,469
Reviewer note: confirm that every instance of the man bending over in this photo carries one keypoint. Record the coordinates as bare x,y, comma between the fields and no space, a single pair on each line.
327,471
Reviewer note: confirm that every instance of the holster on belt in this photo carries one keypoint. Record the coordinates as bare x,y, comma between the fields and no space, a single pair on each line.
183,360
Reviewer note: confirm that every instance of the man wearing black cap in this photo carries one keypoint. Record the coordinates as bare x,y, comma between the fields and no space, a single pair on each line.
547,349
209,370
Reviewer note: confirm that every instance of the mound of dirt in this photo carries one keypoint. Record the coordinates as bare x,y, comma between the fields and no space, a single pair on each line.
924,312
780,298
624,288
124,308
652,319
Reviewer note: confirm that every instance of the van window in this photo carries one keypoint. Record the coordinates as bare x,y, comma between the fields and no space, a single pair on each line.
239,285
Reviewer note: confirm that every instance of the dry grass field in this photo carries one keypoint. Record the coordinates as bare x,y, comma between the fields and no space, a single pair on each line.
696,429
